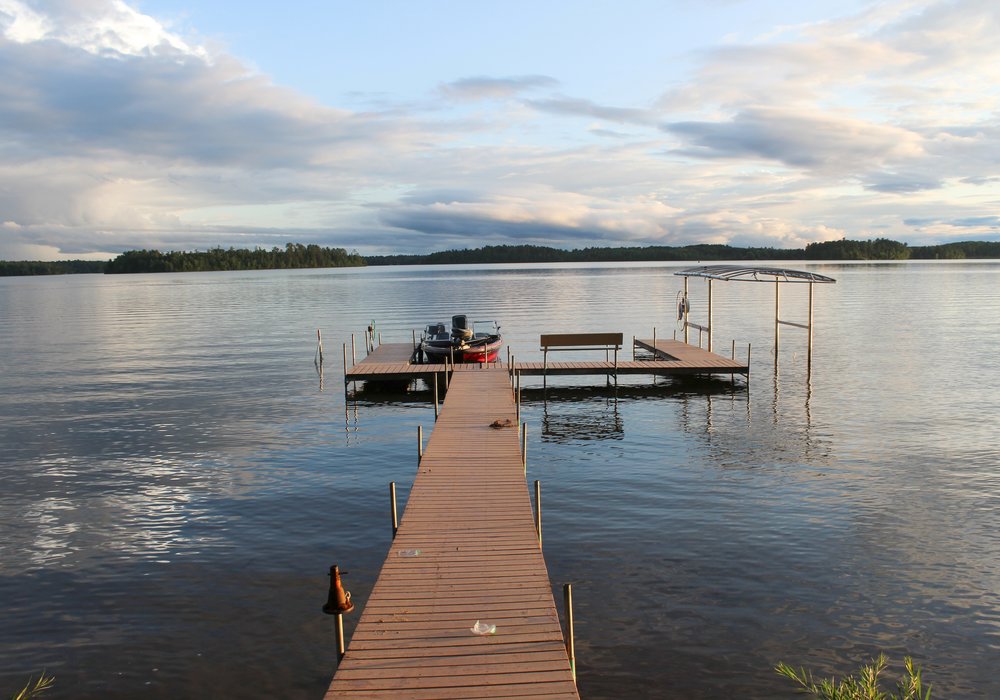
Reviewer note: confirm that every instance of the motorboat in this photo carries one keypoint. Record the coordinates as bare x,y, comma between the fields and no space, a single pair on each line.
463,343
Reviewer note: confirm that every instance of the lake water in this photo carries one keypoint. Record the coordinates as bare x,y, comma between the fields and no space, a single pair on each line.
177,479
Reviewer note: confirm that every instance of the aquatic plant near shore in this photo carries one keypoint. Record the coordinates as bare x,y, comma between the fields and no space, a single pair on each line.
33,690
863,686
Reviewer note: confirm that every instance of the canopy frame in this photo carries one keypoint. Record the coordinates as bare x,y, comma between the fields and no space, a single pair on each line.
740,273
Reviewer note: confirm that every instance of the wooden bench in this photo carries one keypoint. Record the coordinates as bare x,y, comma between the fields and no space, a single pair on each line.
581,341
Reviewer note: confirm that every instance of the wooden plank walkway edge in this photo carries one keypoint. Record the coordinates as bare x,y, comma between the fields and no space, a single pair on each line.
466,551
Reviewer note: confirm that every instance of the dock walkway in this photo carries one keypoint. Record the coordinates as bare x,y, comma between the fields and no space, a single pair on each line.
671,357
466,551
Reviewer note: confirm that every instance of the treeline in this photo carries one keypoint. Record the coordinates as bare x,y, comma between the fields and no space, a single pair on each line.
293,256
54,267
534,253
885,249
877,249
296,255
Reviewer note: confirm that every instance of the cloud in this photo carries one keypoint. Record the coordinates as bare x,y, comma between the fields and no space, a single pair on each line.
816,141
488,88
901,184
117,131
567,106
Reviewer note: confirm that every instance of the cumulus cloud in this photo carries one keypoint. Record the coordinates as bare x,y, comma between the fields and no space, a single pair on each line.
117,131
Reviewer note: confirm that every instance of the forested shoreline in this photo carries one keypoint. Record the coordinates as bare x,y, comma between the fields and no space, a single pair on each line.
296,255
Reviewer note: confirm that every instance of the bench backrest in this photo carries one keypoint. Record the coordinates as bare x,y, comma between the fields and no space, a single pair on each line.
598,340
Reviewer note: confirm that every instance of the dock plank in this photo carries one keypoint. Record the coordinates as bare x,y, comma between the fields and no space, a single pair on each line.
470,516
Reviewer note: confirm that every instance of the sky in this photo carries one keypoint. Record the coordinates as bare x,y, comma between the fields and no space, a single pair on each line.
414,126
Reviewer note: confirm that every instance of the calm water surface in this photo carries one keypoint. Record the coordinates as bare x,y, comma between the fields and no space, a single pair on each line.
177,478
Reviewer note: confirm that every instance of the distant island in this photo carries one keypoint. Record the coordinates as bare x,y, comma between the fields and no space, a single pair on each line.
296,255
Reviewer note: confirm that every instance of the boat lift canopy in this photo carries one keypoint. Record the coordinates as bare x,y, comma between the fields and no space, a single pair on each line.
753,274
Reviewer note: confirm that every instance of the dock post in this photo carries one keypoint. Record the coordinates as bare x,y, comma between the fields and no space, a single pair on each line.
435,396
710,314
538,511
319,347
354,354
777,308
517,398
392,505
809,350
420,443
686,310
345,374
570,642
654,343
340,637
338,602
524,446
748,363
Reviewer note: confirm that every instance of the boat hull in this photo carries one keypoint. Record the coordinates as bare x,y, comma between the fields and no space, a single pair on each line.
487,350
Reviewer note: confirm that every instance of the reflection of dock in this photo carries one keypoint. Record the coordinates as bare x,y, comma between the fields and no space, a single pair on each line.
392,362
466,551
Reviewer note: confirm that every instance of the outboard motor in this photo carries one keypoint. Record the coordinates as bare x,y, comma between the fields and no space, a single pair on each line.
460,327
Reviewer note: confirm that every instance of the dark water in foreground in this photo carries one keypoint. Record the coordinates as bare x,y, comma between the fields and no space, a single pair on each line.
175,480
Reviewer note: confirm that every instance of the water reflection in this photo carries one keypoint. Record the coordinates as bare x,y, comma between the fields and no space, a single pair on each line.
580,414
174,484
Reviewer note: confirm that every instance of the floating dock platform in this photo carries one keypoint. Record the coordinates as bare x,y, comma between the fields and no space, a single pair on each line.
394,362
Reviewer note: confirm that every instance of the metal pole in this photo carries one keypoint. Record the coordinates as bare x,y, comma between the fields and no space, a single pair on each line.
392,501
345,374
710,314
686,310
570,641
538,510
777,302
420,443
524,446
354,356
340,637
517,401
809,352
435,396
748,363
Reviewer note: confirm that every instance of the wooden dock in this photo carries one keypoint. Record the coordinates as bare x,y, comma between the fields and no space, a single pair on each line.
466,551
390,362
